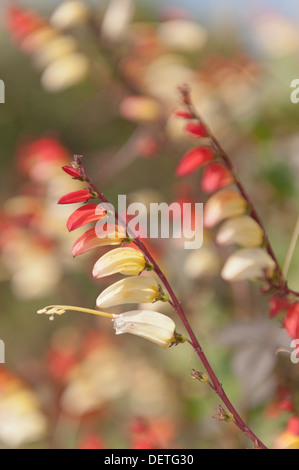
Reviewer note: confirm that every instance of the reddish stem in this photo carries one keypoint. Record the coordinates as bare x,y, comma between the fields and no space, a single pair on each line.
216,385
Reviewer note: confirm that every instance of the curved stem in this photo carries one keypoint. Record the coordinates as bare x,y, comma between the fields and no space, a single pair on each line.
215,383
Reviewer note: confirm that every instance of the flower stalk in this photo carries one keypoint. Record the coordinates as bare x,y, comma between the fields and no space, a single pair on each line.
281,284
214,382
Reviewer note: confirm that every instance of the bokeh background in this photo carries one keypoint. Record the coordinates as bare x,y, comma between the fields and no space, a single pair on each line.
71,89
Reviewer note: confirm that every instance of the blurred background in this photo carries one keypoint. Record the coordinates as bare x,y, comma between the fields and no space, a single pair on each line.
100,78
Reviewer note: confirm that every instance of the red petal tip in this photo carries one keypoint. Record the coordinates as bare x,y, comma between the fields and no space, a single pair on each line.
196,128
76,196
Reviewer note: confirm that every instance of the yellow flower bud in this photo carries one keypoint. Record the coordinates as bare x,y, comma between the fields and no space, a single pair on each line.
57,48
222,205
135,289
248,263
65,72
241,230
124,260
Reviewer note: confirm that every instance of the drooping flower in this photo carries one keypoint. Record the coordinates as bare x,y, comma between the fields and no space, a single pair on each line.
242,230
85,215
148,324
124,260
193,160
215,176
82,195
248,263
222,205
99,236
136,289
291,321
154,326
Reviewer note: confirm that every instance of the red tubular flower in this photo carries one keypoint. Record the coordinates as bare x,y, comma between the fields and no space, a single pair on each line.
291,321
71,171
215,176
194,159
277,304
107,234
197,129
85,215
77,196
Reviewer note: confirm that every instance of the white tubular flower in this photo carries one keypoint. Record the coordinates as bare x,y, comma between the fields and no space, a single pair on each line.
69,14
136,289
150,325
124,260
65,72
222,205
248,263
242,230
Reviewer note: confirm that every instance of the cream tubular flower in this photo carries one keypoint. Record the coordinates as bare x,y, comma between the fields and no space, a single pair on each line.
70,13
242,230
222,205
150,325
248,263
136,289
124,260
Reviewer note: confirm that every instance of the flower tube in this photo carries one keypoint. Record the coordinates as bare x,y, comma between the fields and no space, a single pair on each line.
124,260
135,289
248,263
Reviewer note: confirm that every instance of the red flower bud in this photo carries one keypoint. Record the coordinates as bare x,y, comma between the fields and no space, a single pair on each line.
71,171
77,196
291,321
215,176
194,159
196,128
183,113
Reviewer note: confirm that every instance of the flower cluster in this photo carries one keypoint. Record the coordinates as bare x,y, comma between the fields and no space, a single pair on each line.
130,261
226,206
53,52
230,206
